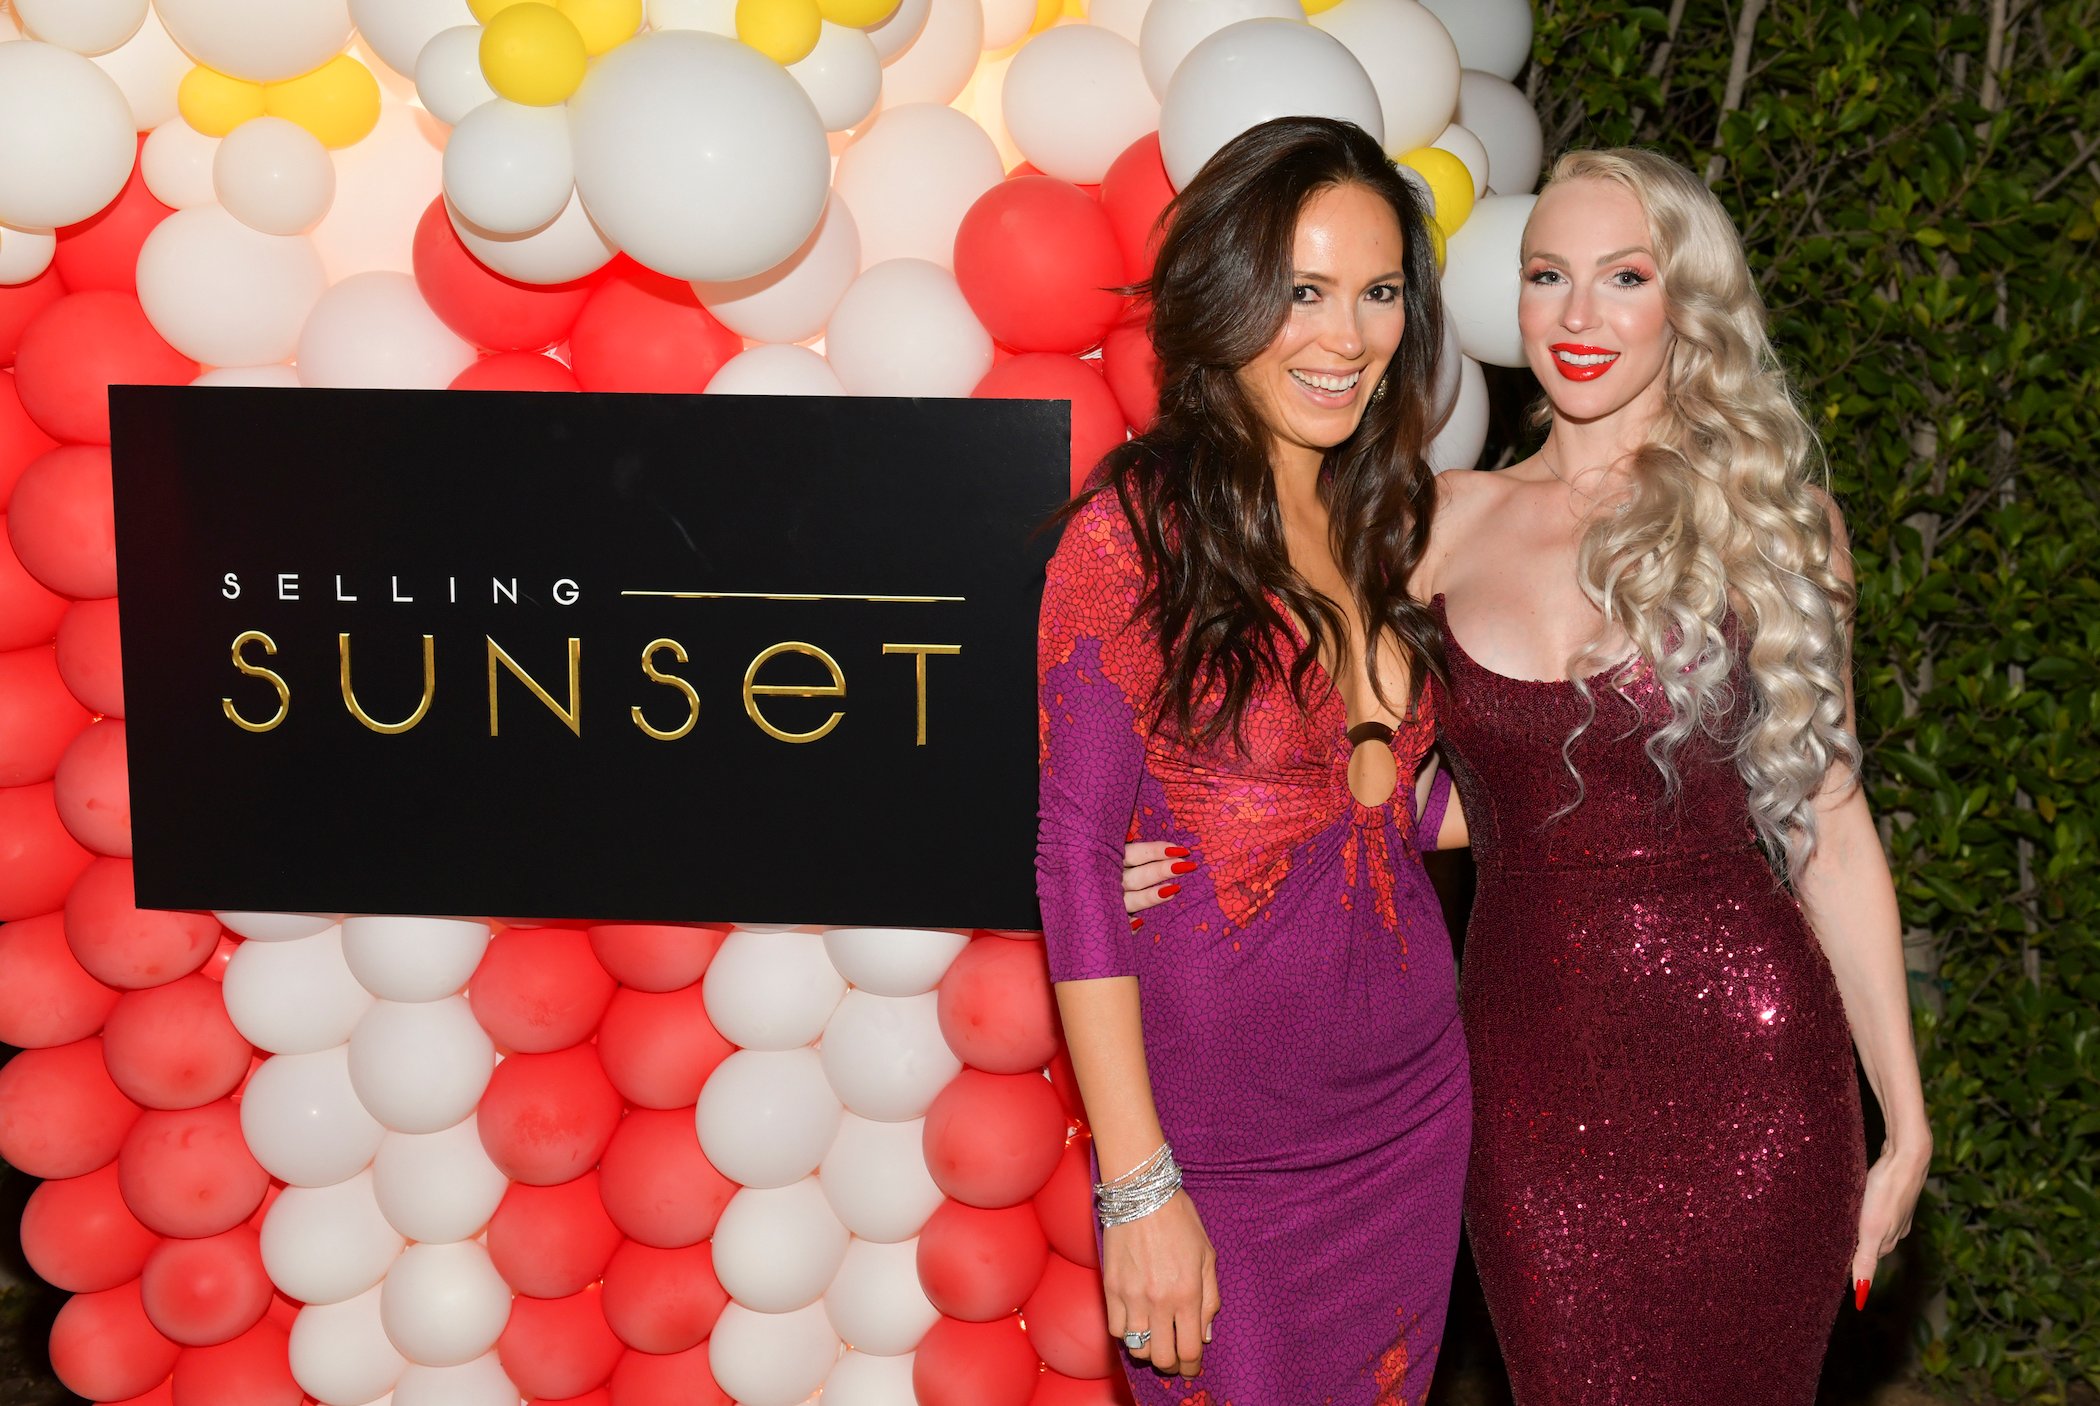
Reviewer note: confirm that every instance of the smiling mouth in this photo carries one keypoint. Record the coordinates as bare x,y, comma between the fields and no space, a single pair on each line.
1325,386
1581,363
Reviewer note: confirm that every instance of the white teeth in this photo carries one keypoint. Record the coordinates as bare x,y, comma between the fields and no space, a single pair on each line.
1327,383
1587,359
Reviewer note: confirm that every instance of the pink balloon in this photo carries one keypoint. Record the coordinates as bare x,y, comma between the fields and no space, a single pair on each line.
38,716
662,1301
80,1236
993,1139
996,1009
545,1118
656,957
208,1290
659,1047
1067,1322
643,1379
253,1369
39,860
979,1265
558,1347
188,1172
63,522
658,1185
104,1347
60,1113
122,944
174,1046
539,989
46,997
974,1364
93,789
1065,1205
551,1241
88,658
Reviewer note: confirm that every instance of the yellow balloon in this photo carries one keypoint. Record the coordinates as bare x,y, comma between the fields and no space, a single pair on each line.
1314,7
857,14
1450,184
783,30
338,102
604,24
486,10
214,103
531,54
1047,13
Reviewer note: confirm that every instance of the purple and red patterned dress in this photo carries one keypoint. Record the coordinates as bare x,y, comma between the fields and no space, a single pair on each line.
1300,1017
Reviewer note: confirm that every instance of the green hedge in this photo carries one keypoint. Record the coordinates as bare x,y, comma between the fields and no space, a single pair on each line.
1917,189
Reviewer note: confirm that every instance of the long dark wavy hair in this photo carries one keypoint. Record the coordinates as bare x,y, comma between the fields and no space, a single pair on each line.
1197,486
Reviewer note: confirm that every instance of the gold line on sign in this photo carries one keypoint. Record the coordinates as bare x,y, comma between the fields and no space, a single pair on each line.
779,595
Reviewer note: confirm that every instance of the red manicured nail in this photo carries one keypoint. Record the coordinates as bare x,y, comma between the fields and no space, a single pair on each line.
1177,852
1186,866
1859,1294
1169,890
1136,923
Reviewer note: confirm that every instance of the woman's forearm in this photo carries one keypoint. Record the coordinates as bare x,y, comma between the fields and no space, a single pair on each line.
1106,1040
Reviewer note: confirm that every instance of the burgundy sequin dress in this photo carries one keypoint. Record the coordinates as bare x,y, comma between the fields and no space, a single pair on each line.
1300,1017
1667,1152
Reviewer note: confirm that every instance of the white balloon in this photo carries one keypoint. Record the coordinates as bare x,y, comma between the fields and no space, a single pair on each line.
275,377
420,1067
1493,36
276,927
885,1055
294,997
383,185
84,26
340,1354
1464,434
448,74
1250,72
842,75
25,253
876,1179
148,69
274,176
263,41
403,958
909,178
698,155
1480,279
1075,97
710,16
771,991
904,328
437,1187
1006,22
777,1249
324,1244
225,294
481,1382
894,33
568,247
1173,28
792,301
176,163
1470,150
397,30
767,1117
1500,115
771,1359
894,961
303,1121
1410,59
775,370
66,139
875,1300
1124,17
508,166
862,1379
936,64
444,1305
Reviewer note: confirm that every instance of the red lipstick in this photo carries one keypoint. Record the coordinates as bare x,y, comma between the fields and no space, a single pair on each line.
1582,372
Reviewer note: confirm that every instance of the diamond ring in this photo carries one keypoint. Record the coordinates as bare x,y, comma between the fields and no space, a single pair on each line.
1135,1342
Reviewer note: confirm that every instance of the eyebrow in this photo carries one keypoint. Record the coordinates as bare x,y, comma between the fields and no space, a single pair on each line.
1306,276
1604,259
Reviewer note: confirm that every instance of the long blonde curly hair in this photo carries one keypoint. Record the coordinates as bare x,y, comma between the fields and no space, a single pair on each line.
1722,512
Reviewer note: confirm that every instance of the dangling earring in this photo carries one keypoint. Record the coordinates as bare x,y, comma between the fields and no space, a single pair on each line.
1378,391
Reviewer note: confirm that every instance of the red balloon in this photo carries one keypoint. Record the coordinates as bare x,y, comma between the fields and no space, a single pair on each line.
545,1118
254,1369
1065,1080
481,305
645,1379
979,1265
1065,1206
38,717
60,1113
20,439
102,251
601,1397
160,1394
558,1347
659,1047
551,1241
188,1172
20,303
656,957
1135,194
80,1236
104,1348
993,1139
658,1185
1097,421
76,350
1131,367
540,989
1028,168
39,860
1037,261
662,1301
124,945
1067,1321
642,331
88,656
995,1006
63,522
29,610
46,996
207,1290
174,1046
974,1364
1057,1389
516,371
93,788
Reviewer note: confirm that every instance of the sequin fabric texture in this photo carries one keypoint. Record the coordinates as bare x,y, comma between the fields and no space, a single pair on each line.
1300,1018
1667,1150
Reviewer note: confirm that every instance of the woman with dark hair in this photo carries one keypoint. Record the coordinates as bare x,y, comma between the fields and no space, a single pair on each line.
1273,1068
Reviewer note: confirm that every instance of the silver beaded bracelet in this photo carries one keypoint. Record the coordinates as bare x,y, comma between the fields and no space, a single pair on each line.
1138,1192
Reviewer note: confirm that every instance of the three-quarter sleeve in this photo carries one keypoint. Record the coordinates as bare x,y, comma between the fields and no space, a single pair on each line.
1094,666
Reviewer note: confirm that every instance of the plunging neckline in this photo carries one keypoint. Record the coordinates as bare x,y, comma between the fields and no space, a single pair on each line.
1458,647
1334,689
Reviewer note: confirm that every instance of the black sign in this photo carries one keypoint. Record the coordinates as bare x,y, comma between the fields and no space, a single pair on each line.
656,658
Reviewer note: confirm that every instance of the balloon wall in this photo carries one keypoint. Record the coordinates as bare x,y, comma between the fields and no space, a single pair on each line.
296,1159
